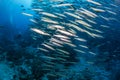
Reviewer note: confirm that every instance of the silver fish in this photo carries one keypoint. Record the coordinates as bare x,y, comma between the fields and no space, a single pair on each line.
27,14
48,14
39,31
62,5
96,3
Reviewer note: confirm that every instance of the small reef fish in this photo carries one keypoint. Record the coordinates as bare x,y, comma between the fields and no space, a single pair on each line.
48,46
59,14
39,31
79,51
93,22
63,51
65,32
61,36
93,2
65,40
57,44
56,40
36,9
81,39
88,13
27,14
48,20
97,10
34,21
56,0
73,15
49,14
42,49
83,46
55,27
62,5
47,57
70,44
83,23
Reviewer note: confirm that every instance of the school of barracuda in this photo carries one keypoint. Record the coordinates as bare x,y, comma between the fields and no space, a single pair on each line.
63,29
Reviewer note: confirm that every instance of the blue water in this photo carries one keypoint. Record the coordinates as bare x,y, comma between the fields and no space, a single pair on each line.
59,40
12,20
